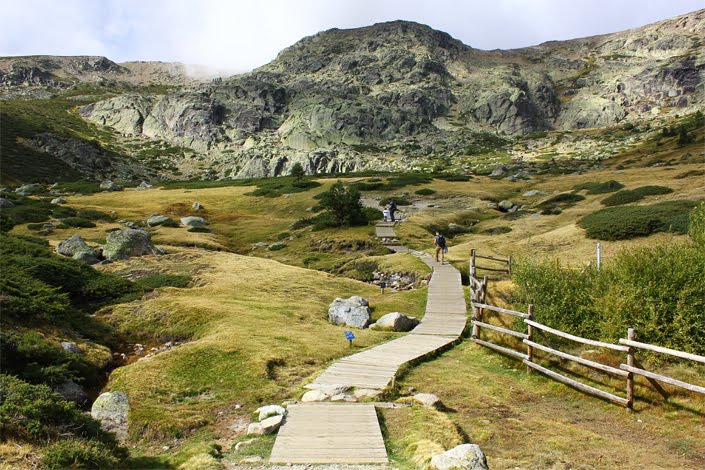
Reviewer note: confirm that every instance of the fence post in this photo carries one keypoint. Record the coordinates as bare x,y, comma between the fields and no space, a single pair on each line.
630,375
599,257
530,337
472,262
509,265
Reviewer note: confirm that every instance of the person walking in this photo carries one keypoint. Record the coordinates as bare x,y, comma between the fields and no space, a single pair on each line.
392,209
441,248
385,215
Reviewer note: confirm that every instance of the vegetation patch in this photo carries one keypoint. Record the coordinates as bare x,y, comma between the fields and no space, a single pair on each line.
564,200
78,222
399,200
599,188
455,177
425,192
628,196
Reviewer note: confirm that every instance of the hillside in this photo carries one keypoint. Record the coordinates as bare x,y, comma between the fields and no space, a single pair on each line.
389,96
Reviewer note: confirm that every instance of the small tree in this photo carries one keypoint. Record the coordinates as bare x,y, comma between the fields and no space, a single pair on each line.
683,137
696,229
297,171
343,206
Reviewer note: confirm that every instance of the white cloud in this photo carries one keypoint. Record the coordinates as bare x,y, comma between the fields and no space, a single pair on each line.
244,34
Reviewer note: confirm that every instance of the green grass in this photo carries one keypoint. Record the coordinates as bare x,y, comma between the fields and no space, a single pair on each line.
599,188
625,222
627,196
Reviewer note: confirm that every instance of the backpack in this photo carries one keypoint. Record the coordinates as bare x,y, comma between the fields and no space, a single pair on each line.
441,241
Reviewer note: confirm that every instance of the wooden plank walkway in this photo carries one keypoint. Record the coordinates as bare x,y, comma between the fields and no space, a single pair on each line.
348,433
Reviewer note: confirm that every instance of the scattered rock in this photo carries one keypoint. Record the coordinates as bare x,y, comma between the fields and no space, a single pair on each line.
196,206
122,244
158,219
144,185
88,257
242,444
350,312
428,399
112,410
109,185
505,206
533,192
270,410
58,200
29,189
267,426
5,203
253,459
192,221
361,393
464,456
314,395
73,245
68,346
500,170
396,321
71,391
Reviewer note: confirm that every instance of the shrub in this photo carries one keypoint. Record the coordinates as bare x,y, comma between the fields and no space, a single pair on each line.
551,210
76,453
696,224
628,196
564,199
400,200
302,223
456,177
625,222
371,214
78,222
23,297
199,229
61,212
92,214
276,246
171,223
425,192
496,230
309,260
297,171
343,206
599,188
35,227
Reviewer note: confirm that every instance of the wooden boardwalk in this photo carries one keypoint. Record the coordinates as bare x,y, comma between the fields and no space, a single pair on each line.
348,433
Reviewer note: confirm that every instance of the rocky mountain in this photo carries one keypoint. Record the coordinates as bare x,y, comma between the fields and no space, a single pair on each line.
372,97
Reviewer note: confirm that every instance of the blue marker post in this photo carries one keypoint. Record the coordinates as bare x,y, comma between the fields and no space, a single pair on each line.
350,337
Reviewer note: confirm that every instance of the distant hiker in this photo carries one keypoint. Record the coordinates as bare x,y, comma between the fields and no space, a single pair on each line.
385,214
392,209
440,242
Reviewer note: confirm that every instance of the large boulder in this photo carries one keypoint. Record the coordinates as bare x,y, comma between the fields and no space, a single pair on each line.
193,221
505,206
88,257
428,399
354,311
109,185
73,245
157,219
122,244
71,391
29,189
463,457
266,426
112,410
396,321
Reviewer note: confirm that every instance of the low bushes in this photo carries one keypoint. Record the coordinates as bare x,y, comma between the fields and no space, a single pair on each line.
425,192
564,199
625,222
399,200
78,222
599,188
628,196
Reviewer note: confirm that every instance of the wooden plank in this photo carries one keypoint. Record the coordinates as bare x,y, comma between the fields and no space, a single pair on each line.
506,331
492,258
501,310
580,386
577,339
663,378
493,269
660,349
578,359
501,349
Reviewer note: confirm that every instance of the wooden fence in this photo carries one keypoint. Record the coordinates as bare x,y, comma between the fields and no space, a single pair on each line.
628,345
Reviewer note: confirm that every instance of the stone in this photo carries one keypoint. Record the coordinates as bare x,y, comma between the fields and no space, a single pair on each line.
314,395
253,459
5,203
197,206
58,200
192,221
350,312
266,426
158,219
505,206
112,409
29,189
123,244
361,393
74,244
68,346
396,321
499,170
264,412
242,444
109,185
88,257
533,192
360,300
428,399
464,457
144,185
71,391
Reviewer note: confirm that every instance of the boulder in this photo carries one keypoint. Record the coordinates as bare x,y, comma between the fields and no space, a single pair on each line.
315,395
464,456
267,426
196,206
350,312
68,346
122,244
157,219
265,412
109,185
500,170
58,200
88,257
428,399
74,244
29,189
360,300
360,393
192,221
533,192
144,185
505,205
71,391
5,203
112,410
396,321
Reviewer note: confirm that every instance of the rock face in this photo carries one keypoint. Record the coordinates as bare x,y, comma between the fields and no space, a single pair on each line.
354,311
267,426
123,244
112,410
75,245
192,221
396,321
462,457
6,203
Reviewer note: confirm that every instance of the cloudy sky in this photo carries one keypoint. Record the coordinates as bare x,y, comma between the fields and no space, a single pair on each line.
240,35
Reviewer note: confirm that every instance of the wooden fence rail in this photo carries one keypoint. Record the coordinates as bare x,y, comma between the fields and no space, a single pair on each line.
627,345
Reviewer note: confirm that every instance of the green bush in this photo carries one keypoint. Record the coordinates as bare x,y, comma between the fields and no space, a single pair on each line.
343,207
599,188
456,177
551,210
199,229
81,187
35,227
76,453
61,212
625,222
400,200
77,222
92,214
564,199
425,192
302,223
696,224
628,196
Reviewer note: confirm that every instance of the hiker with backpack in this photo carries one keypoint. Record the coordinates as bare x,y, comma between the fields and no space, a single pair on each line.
392,209
440,242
